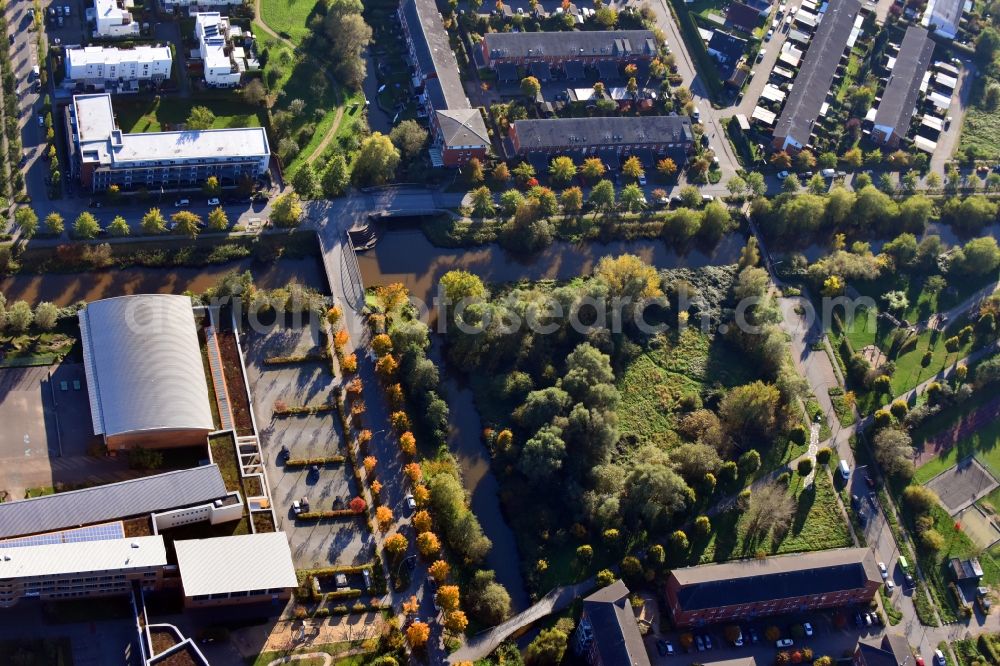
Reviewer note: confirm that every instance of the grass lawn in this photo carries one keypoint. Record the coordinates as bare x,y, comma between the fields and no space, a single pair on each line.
151,115
982,444
654,383
289,18
981,131
224,455
818,524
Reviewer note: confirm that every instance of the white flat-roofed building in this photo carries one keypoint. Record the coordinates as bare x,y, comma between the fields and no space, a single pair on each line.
248,568
80,570
103,67
214,34
112,19
103,155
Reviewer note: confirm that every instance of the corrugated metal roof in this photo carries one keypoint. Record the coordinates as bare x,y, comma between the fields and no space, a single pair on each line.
235,564
161,492
66,558
143,365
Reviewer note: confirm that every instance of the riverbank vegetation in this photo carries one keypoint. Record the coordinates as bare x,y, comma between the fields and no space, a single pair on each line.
644,431
529,216
156,251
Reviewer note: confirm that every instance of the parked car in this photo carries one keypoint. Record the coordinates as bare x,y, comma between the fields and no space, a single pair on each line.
411,503
808,628
828,173
663,648
700,642
708,642
782,175
889,585
939,658
642,179
214,201
300,505
784,642
769,35
910,582
41,120
761,54
367,576
181,203
883,570
919,661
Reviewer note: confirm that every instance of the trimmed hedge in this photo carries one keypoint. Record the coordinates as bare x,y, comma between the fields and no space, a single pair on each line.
349,593
705,65
305,462
300,411
297,358
331,513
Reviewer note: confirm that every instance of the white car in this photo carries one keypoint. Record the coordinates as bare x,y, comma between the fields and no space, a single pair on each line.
782,175
889,585
214,201
642,179
883,570
411,503
761,54
784,642
769,35
808,628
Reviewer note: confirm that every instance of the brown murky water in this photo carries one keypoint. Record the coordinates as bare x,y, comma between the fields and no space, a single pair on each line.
67,288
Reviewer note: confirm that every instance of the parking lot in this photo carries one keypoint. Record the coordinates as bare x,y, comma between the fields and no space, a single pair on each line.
314,543
834,634
47,430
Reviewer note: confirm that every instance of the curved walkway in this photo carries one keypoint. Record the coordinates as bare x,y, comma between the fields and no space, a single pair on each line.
327,659
332,133
482,644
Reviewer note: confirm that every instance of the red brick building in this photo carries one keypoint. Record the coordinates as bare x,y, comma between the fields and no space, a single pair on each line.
747,589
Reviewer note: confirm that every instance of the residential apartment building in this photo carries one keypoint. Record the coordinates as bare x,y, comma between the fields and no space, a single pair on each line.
944,17
112,19
815,79
222,49
663,135
55,571
747,589
120,70
102,155
608,634
899,99
558,48
457,128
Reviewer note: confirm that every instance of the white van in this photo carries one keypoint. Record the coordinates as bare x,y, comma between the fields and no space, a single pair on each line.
845,470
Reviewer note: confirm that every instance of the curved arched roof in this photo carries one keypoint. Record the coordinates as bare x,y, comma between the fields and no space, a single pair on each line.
143,364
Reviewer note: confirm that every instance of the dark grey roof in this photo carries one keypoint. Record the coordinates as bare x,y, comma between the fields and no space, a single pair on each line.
816,76
574,70
892,650
608,71
728,51
900,96
540,70
99,504
507,71
743,16
434,54
612,44
760,5
583,132
773,578
463,127
615,630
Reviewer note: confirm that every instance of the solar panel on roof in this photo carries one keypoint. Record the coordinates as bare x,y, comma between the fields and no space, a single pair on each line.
103,532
